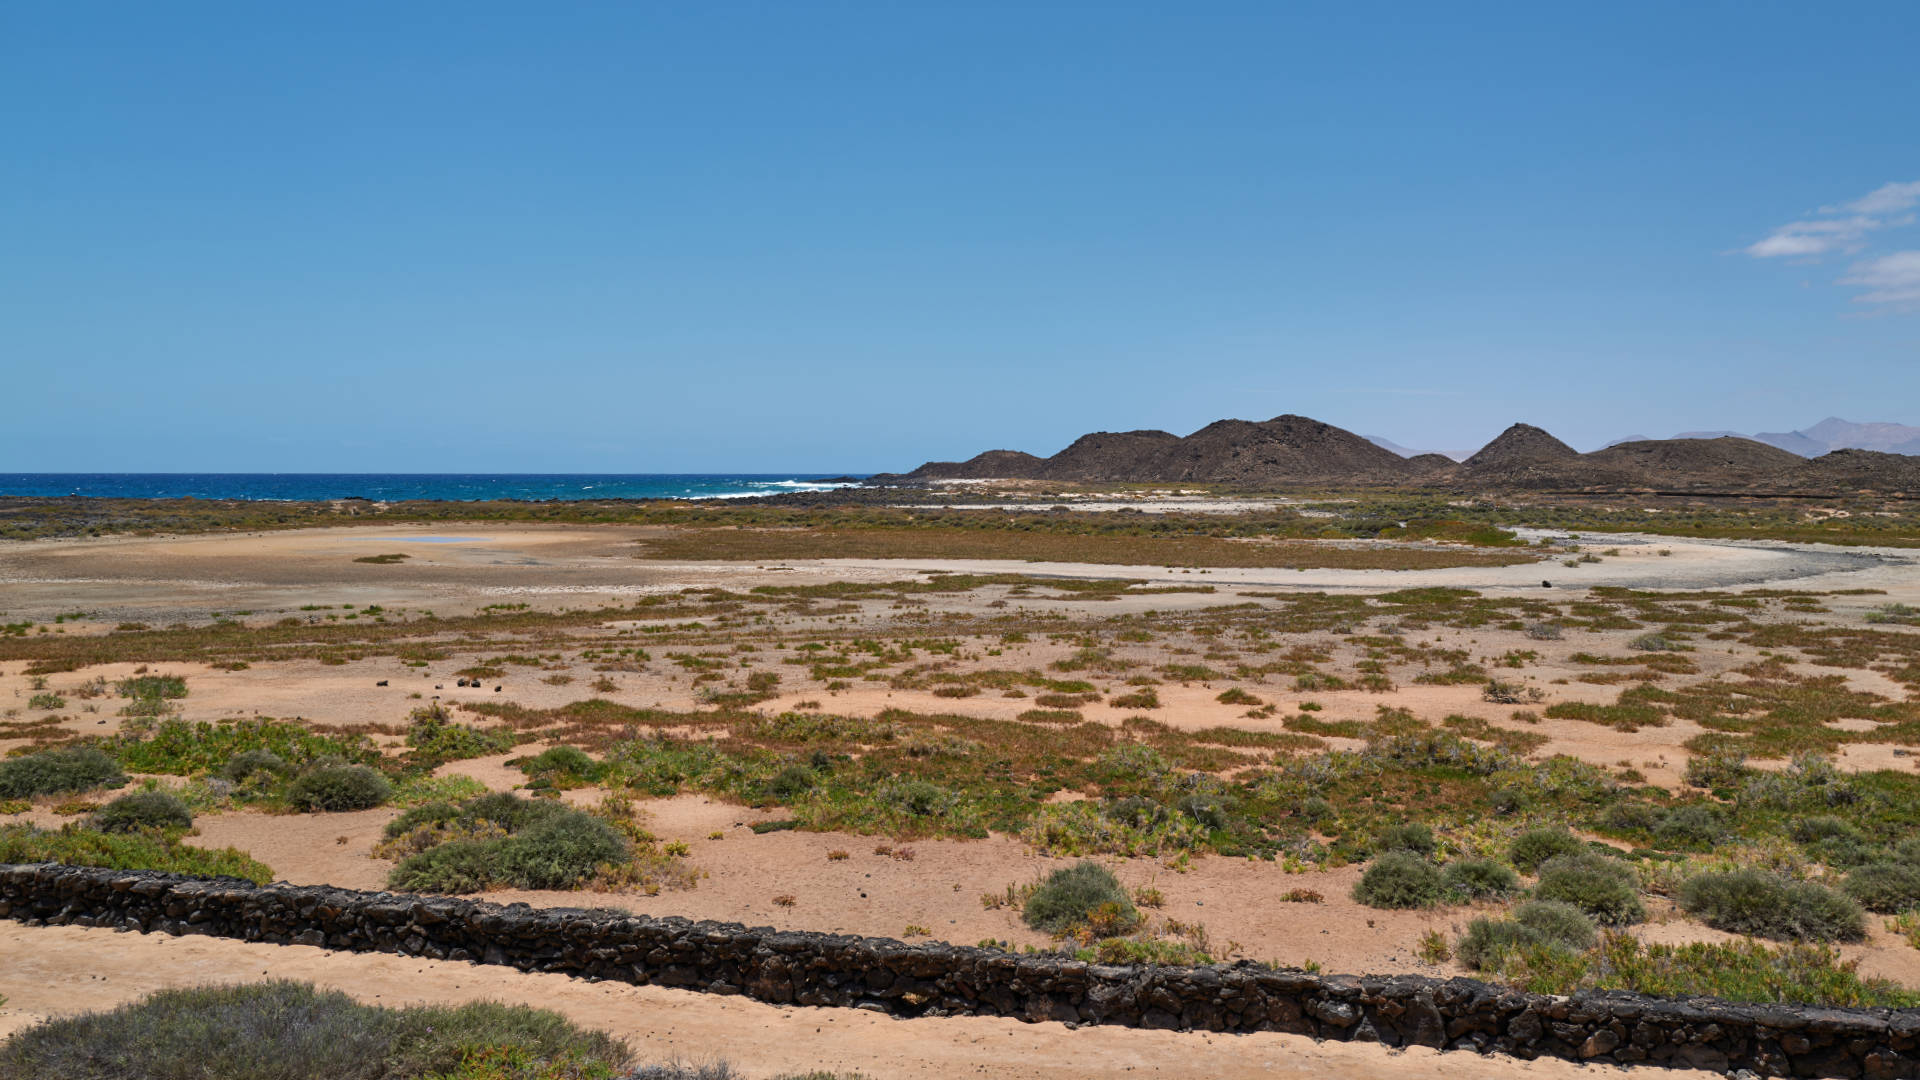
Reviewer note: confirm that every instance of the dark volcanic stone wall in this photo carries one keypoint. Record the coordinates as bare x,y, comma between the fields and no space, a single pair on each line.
883,975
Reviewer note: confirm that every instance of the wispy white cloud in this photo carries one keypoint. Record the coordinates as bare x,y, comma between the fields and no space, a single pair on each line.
1892,280
1886,199
1842,228
1807,238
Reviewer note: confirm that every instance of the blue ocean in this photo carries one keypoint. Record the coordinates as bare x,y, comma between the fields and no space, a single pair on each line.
395,487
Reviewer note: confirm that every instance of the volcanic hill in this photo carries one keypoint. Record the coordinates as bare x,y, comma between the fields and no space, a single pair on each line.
1292,451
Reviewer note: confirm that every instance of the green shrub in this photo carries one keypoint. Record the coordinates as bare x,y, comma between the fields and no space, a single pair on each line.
247,764
1630,817
1535,846
457,866
434,737
1603,888
1718,768
57,772
181,748
1479,879
432,1041
1399,879
1410,836
1541,924
511,812
1071,895
1689,828
1818,827
143,810
281,1030
72,845
791,782
1557,922
500,840
1767,905
563,766
1487,941
165,687
338,787
1887,887
1834,841
1743,970
561,853
262,1031
428,813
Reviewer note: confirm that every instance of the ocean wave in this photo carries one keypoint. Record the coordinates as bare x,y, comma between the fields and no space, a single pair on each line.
393,487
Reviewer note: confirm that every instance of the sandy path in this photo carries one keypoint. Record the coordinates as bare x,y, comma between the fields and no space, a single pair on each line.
47,971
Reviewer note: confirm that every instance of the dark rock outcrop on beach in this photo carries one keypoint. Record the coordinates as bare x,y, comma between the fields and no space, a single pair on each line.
936,979
1297,451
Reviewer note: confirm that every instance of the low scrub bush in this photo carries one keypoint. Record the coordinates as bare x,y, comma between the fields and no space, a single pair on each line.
283,1030
163,687
1536,846
1689,828
1138,950
1557,922
73,845
1549,924
58,772
143,810
792,782
255,764
434,738
1767,905
1409,836
1073,896
563,767
1887,887
1399,879
181,748
1603,888
338,787
561,852
500,841
1832,840
1738,971
1479,879
1631,817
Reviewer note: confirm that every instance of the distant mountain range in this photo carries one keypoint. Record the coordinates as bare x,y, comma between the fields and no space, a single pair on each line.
1297,450
1826,436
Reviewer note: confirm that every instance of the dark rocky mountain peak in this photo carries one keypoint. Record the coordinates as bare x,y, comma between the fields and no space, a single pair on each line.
1521,444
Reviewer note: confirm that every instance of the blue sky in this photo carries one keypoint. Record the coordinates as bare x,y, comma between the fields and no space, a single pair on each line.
836,236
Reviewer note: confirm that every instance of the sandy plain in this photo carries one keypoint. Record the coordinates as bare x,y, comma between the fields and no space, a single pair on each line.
312,575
